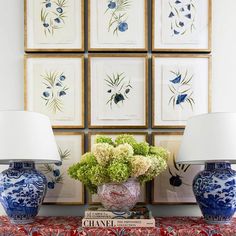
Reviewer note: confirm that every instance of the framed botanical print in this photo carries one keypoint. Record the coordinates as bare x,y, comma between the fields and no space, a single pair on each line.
54,26
181,88
118,91
54,86
117,25
140,137
174,185
181,25
61,188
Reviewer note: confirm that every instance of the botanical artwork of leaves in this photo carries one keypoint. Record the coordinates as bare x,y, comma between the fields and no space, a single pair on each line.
118,88
53,15
182,14
55,90
180,87
117,9
53,171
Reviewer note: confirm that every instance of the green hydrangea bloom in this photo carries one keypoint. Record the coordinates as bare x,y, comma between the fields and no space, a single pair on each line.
141,148
88,158
82,172
158,165
103,139
72,171
159,151
125,138
118,171
123,151
103,153
99,175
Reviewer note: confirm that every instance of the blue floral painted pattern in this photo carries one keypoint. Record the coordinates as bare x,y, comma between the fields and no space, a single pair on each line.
215,191
22,191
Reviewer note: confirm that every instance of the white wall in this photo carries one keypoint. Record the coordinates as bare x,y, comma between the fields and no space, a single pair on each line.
223,83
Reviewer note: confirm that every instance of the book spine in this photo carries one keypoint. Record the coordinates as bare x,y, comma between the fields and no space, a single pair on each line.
104,215
118,223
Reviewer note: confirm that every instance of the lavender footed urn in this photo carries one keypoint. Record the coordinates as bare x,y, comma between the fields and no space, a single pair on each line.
22,191
215,191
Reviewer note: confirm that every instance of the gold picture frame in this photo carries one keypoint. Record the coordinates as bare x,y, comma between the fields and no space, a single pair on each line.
156,114
118,49
77,64
64,139
144,100
29,48
169,188
113,134
187,49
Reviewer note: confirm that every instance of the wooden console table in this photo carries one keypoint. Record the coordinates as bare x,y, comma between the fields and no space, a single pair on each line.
71,226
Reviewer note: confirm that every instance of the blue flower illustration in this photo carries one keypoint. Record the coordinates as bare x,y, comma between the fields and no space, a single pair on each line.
58,163
56,172
182,17
118,15
46,94
45,25
176,80
181,89
62,93
127,90
118,98
119,88
48,5
112,5
51,185
59,10
62,78
53,172
123,26
55,89
181,98
53,12
57,20
188,16
171,14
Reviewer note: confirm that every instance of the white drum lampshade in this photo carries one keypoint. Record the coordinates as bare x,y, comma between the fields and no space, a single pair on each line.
209,137
26,136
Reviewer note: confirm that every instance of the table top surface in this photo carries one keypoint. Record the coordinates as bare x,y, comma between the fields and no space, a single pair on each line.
71,226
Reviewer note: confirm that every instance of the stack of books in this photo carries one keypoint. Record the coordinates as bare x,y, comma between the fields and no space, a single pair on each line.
98,216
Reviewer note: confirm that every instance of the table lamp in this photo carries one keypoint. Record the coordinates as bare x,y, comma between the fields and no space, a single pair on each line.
26,138
210,139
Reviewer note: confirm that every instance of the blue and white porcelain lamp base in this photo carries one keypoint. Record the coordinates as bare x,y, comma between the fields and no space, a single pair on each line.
215,192
22,191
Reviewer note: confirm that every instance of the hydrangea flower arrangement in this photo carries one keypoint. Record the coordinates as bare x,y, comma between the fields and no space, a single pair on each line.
119,160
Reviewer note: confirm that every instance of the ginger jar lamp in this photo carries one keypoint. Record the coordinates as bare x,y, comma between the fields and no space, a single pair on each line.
26,138
210,139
